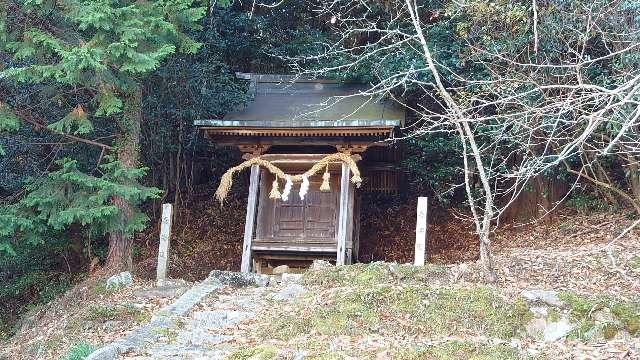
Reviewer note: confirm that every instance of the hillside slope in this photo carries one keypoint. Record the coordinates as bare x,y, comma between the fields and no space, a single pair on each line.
386,310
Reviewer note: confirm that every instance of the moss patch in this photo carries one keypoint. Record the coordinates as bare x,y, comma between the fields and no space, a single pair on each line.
407,308
254,353
170,332
453,350
626,315
116,312
375,273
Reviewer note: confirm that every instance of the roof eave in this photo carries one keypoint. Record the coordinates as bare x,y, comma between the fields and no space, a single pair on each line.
301,124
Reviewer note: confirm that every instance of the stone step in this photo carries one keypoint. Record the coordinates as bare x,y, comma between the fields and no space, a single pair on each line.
174,351
216,318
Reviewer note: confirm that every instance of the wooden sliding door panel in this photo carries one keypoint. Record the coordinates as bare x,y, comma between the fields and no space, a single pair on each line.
312,220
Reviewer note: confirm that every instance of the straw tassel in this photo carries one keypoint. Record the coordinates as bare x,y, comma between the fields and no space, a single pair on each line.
325,187
357,180
275,192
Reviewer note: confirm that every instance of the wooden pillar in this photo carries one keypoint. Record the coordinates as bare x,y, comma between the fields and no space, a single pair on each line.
250,219
163,248
421,231
350,225
343,219
356,228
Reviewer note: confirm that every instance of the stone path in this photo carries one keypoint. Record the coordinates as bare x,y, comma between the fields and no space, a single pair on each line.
197,324
200,333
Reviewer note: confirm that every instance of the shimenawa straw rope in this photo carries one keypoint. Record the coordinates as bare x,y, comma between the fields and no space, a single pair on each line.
227,179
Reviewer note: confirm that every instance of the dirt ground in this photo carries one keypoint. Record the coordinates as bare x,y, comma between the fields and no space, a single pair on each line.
208,236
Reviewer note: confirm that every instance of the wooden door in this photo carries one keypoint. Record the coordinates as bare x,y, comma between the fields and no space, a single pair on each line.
297,221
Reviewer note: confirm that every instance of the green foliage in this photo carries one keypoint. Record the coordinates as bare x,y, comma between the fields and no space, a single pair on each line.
69,196
70,66
8,122
35,231
79,351
102,45
76,119
433,162
585,203
108,103
30,275
45,286
106,41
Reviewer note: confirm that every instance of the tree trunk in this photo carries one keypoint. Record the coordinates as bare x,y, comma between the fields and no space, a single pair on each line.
634,182
483,228
486,258
119,257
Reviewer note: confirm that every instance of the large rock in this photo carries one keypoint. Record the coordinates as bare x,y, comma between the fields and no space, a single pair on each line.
279,270
535,327
548,297
238,279
161,292
539,311
557,330
543,329
289,292
117,281
217,318
320,264
291,278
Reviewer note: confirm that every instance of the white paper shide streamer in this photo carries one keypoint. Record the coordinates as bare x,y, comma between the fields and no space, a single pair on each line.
287,188
304,188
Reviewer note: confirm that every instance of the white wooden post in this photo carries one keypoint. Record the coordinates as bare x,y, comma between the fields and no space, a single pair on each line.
421,231
254,181
343,219
163,248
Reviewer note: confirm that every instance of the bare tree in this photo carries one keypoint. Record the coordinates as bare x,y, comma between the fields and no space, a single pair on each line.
521,111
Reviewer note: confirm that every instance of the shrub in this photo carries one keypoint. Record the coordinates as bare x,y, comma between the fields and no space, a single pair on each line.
586,202
79,351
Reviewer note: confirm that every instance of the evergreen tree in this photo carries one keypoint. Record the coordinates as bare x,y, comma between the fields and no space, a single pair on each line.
103,48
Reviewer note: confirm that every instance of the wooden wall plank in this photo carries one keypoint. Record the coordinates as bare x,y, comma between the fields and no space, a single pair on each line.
254,180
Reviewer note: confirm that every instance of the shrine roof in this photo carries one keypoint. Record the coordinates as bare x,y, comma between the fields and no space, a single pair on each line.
286,102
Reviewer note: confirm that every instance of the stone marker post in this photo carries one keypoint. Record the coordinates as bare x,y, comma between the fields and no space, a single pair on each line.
163,250
421,231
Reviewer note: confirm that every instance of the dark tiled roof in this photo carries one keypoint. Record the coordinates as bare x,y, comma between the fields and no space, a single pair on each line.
282,102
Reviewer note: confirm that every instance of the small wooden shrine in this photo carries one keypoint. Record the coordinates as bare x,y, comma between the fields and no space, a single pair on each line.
294,123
